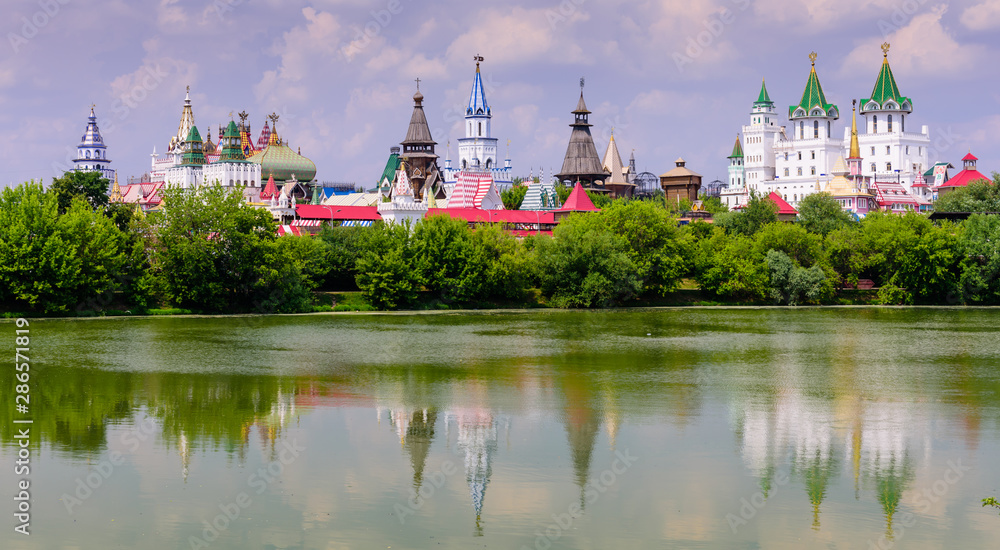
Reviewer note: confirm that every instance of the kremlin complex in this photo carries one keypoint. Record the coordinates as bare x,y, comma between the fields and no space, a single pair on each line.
884,166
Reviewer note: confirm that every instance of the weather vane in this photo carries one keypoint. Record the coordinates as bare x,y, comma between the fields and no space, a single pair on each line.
582,82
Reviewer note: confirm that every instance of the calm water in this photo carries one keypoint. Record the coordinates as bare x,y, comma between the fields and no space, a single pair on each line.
716,428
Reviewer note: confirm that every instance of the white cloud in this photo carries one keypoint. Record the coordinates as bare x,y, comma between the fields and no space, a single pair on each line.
519,36
305,51
922,48
983,16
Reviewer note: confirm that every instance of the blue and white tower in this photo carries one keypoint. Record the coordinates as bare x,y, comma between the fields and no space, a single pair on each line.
91,153
478,143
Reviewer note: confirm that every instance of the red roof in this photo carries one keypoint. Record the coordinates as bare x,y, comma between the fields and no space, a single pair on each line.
970,156
578,201
963,178
270,191
323,212
533,217
783,207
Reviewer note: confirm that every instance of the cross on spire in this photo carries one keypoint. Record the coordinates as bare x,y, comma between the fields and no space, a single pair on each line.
418,83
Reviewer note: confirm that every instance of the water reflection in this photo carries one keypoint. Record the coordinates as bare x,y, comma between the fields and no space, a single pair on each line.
530,424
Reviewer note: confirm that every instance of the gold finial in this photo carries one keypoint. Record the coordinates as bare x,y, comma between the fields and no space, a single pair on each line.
812,57
885,49
230,115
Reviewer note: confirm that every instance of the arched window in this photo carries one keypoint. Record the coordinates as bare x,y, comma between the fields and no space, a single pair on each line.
889,123
480,128
88,154
874,124
489,163
815,128
828,129
902,123
802,129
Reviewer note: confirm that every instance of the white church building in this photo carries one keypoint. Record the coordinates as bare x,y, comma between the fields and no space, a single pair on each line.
797,159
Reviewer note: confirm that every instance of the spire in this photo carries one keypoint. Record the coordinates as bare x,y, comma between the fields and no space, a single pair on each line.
419,132
116,190
613,163
813,102
885,94
763,99
193,155
477,99
737,149
855,152
187,119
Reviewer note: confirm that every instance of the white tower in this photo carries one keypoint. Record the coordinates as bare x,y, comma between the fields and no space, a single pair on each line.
735,194
892,153
759,137
478,142
91,153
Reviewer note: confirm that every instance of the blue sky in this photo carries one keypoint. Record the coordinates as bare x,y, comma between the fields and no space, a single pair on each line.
674,78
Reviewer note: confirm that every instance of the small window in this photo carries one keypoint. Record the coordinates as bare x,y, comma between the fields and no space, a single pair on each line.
889,123
873,167
887,149
812,170
800,170
873,150
813,154
786,157
815,128
874,124
907,149
800,155
888,167
786,172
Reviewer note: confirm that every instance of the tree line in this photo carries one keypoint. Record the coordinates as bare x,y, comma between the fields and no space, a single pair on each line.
65,250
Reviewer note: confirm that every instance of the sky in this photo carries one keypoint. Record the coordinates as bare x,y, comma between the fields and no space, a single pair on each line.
674,78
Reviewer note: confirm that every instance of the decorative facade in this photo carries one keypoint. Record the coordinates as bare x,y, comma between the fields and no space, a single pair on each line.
418,154
92,153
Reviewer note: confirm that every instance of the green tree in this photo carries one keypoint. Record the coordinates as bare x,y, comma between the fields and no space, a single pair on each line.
652,242
804,248
51,262
729,267
214,252
979,243
585,264
91,186
821,213
387,270
713,205
513,197
978,196
759,211
345,246
791,284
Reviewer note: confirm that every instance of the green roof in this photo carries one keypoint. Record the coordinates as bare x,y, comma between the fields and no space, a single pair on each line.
390,169
737,149
193,154
232,150
813,97
886,91
763,97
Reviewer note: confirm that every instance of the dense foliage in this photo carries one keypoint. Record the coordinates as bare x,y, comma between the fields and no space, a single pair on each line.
978,196
207,251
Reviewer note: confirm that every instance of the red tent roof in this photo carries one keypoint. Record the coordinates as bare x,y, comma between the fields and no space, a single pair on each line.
270,190
970,156
783,207
323,212
578,201
963,178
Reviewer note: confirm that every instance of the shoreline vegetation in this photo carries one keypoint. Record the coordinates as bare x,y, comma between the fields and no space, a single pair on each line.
65,252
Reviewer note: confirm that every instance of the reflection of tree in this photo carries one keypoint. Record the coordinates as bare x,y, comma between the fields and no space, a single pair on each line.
72,408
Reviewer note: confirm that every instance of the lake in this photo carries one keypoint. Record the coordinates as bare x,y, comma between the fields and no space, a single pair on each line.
674,428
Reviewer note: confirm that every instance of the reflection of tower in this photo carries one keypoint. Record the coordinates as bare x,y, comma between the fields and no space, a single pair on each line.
419,436
477,439
886,456
582,426
185,452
